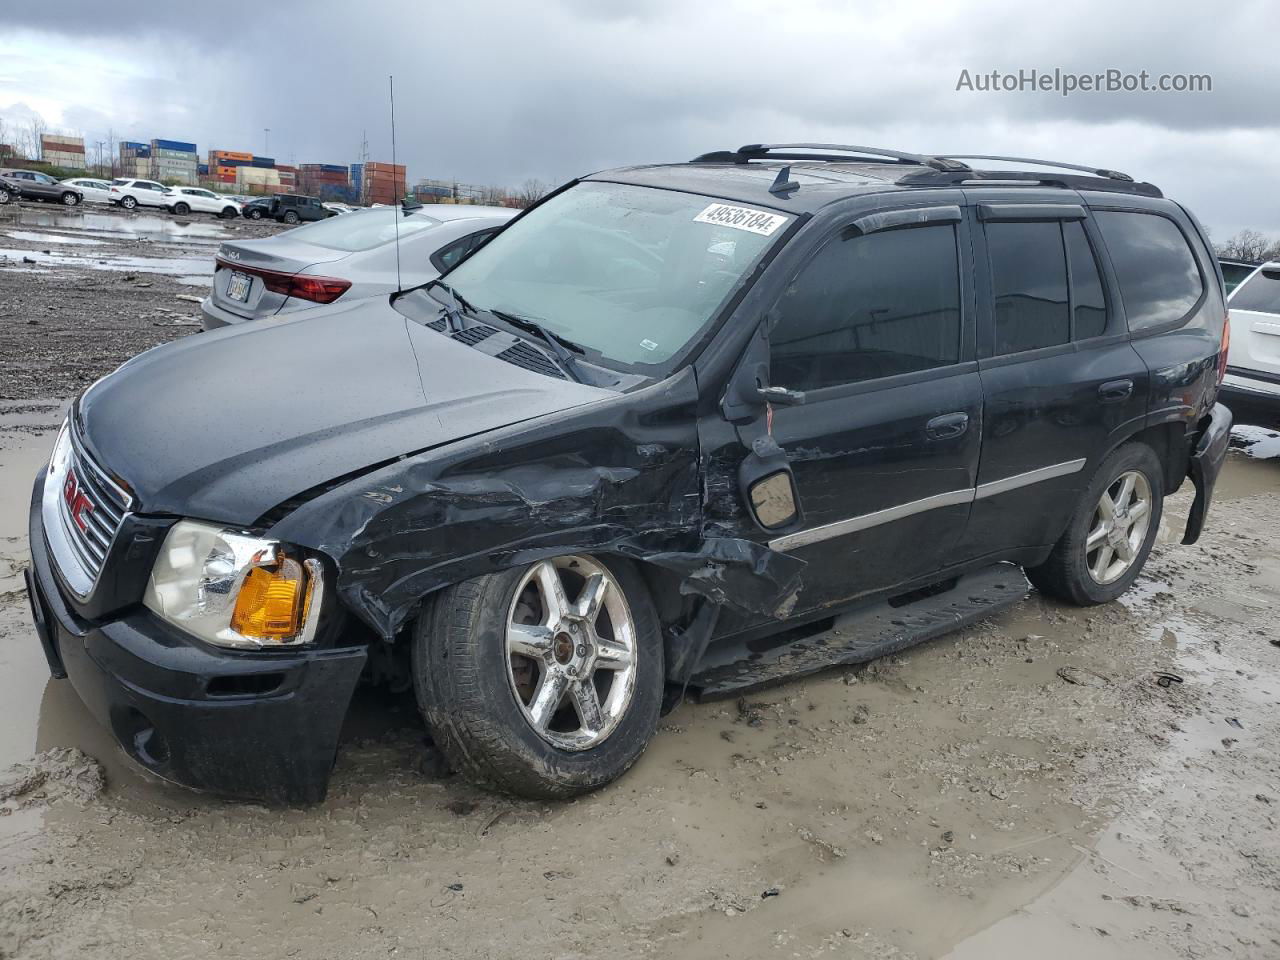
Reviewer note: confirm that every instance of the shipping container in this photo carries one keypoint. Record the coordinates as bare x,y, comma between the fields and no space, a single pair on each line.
230,155
263,162
180,145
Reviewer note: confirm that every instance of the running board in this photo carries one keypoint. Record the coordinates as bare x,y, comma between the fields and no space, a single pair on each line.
868,633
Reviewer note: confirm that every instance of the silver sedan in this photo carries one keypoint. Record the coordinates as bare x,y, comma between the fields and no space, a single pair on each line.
351,257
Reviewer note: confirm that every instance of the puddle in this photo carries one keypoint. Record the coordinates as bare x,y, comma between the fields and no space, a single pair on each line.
184,266
1261,443
32,237
147,226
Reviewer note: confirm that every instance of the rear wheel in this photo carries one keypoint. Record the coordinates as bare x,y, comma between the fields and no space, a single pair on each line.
544,681
1111,532
128,202
181,209
227,213
291,217
70,199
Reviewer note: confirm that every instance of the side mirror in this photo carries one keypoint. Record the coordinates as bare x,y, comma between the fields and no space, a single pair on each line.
748,389
768,485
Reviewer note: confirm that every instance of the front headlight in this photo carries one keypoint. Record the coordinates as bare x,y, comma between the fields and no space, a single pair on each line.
235,590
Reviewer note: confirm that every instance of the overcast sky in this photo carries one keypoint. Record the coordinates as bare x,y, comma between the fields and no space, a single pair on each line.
498,92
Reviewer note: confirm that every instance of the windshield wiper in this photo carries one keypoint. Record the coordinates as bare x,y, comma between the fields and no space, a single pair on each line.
559,345
454,307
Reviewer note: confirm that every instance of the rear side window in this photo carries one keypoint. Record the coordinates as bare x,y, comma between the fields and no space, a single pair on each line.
1260,293
1159,279
1088,304
868,307
1028,285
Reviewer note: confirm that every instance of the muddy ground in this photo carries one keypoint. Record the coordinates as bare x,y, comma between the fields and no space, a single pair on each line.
1027,787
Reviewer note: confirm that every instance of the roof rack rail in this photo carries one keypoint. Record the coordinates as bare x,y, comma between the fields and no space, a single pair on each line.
936,178
762,151
1096,171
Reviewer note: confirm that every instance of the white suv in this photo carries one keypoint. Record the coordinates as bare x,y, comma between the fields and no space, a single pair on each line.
184,200
139,193
1253,360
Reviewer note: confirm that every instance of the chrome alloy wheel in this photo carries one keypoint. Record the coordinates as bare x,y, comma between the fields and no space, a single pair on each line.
571,663
1120,523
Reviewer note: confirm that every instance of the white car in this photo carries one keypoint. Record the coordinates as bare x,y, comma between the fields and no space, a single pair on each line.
91,191
339,208
130,193
1253,357
184,200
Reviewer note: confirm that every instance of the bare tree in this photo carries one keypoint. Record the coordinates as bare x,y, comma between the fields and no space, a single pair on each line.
111,152
531,191
492,196
36,129
1247,245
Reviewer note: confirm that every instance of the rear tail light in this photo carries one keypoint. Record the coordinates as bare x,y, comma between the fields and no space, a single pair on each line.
314,289
1222,352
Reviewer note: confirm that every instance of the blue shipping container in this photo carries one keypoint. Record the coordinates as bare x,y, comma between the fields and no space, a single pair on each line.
263,162
179,145
333,168
202,169
130,145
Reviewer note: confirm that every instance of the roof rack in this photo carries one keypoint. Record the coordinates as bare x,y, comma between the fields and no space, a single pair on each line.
1096,171
763,151
936,178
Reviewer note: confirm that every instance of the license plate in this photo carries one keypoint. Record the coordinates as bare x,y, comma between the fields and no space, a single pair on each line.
238,287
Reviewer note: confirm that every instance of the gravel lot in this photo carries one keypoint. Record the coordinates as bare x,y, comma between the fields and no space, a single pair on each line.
1025,787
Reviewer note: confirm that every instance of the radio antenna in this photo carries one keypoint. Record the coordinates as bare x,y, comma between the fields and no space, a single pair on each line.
391,82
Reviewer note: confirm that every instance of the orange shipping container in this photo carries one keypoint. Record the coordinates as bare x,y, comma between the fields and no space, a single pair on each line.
230,155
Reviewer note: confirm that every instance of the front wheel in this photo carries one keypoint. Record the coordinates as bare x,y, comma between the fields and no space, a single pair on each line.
70,199
5,196
254,214
1111,531
544,681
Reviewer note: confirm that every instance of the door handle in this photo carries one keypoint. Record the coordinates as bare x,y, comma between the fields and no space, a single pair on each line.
947,426
1113,391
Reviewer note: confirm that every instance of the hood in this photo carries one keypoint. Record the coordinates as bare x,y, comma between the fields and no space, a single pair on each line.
224,426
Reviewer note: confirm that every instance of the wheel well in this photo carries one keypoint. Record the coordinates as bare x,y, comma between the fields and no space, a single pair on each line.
1169,441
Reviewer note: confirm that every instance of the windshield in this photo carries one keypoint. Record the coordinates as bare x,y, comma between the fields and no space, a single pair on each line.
631,274
364,230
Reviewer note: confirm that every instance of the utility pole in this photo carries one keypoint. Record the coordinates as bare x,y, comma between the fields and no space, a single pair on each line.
266,140
100,145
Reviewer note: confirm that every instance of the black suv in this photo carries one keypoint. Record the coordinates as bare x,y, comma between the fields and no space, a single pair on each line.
289,208
653,437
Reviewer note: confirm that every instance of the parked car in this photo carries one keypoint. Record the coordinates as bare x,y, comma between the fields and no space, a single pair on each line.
652,437
1252,384
339,208
290,208
1235,272
34,185
184,200
130,193
257,208
91,190
353,257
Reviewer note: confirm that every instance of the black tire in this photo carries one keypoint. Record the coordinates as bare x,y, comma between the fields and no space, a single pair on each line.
227,213
6,196
70,199
291,218
254,214
180,209
460,675
1065,574
128,202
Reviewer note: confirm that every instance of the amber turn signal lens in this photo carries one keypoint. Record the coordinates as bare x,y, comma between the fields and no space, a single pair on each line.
272,602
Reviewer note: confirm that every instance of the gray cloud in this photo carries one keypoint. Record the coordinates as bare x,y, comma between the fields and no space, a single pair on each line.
499,91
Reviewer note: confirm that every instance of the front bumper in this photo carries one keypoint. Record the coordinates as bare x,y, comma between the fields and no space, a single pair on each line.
1205,465
247,725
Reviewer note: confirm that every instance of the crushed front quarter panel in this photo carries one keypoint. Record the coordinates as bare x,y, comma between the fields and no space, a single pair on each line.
619,476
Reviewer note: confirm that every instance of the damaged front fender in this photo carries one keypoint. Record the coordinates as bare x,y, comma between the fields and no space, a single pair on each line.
620,476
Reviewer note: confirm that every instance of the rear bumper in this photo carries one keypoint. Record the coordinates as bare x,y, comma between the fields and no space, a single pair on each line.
246,725
213,316
1205,465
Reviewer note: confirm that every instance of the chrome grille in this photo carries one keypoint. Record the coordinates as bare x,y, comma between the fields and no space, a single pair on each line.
83,509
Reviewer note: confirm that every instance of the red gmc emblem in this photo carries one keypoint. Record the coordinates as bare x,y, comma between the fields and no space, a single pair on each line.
79,505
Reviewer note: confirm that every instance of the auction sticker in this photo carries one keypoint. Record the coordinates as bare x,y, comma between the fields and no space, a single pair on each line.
741,218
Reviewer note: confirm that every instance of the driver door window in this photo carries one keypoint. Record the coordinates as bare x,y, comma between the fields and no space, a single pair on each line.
867,307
